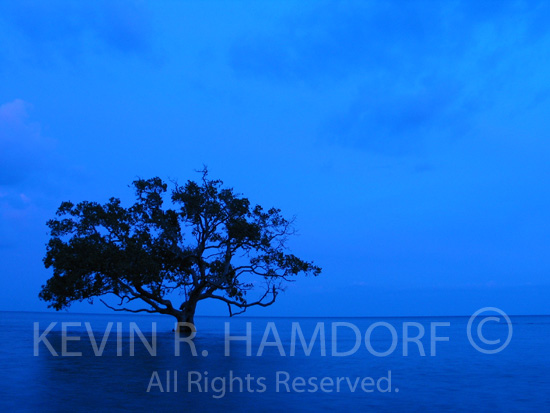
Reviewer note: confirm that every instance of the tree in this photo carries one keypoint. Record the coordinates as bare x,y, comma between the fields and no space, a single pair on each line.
209,243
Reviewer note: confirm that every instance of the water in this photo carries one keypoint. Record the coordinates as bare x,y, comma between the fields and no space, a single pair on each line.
457,377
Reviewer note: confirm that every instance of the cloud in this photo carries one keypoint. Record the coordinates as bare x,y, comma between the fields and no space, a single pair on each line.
23,149
340,39
44,30
411,71
30,169
394,121
337,39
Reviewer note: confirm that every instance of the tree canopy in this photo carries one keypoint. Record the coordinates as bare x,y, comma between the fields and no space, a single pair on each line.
205,242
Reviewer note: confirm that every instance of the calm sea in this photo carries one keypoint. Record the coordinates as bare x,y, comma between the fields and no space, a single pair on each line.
441,371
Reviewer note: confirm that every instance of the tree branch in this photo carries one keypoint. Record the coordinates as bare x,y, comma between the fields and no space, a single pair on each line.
244,306
127,309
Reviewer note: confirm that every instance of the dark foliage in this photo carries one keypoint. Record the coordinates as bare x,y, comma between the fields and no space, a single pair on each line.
210,243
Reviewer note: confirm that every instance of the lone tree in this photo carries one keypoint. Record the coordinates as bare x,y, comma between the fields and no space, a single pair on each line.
209,243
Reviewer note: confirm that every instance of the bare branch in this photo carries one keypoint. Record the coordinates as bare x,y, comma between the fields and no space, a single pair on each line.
244,306
127,309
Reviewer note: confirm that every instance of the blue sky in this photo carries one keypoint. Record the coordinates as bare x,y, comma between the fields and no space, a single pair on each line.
410,139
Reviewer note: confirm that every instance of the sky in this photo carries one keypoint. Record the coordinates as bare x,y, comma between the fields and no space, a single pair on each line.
409,139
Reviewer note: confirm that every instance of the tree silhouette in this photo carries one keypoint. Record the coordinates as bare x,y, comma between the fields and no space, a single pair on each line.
209,243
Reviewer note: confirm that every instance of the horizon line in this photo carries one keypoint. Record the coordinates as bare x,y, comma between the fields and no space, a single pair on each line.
248,316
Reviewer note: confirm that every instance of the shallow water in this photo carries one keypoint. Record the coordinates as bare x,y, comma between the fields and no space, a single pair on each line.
457,377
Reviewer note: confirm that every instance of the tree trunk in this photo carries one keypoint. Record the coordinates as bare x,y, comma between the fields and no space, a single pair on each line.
186,319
